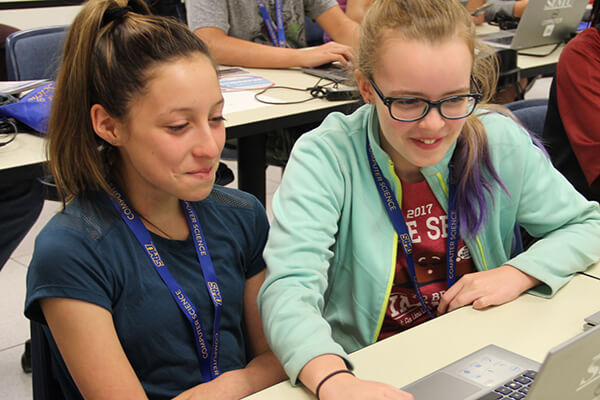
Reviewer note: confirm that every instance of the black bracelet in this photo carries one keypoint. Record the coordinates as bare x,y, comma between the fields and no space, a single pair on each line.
339,371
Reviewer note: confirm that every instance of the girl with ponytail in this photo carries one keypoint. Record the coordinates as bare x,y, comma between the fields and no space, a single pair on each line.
146,282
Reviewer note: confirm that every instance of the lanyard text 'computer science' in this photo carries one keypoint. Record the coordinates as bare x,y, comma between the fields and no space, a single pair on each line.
208,357
397,218
278,38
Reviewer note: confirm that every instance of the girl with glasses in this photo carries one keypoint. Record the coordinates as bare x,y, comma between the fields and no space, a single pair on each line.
407,208
147,280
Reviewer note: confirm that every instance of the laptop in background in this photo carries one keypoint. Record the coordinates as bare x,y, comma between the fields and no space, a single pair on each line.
333,72
543,22
570,371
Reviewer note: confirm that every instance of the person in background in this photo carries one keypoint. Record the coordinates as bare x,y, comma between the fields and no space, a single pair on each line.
406,209
354,9
269,34
147,280
498,10
168,8
572,127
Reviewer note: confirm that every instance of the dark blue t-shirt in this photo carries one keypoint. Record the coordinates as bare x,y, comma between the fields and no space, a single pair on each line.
88,253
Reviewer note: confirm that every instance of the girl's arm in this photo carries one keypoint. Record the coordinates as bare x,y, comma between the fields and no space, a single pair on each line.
263,371
316,374
356,9
88,342
339,26
228,50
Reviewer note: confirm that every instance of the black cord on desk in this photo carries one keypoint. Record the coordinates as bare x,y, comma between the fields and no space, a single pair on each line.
540,55
316,92
591,276
8,128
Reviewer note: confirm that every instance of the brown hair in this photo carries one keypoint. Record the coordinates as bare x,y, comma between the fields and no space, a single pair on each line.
108,58
429,21
436,21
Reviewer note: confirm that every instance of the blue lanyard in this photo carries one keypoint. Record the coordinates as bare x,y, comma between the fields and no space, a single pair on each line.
279,38
208,358
397,218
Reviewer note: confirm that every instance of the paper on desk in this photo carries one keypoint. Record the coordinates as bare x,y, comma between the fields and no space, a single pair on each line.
242,101
233,79
15,87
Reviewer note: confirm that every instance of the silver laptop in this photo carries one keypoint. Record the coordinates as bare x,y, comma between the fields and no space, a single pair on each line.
571,371
543,22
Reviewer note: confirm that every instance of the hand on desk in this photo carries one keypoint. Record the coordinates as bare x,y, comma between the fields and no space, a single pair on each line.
486,288
327,53
348,387
316,376
230,385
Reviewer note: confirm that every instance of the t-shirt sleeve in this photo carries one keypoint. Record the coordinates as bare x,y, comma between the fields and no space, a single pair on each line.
207,13
57,270
314,8
499,9
257,243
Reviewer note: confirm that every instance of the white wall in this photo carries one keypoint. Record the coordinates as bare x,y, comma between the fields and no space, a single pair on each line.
35,17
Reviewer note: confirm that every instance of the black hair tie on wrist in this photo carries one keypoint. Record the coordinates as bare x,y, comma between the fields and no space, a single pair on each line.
113,13
334,373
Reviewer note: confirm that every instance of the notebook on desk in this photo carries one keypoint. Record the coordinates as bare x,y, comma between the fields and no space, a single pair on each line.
570,371
543,22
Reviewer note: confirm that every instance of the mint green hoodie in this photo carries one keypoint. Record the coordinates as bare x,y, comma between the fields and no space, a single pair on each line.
332,249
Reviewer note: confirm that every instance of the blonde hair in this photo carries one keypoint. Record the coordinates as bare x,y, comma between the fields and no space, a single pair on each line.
109,55
437,21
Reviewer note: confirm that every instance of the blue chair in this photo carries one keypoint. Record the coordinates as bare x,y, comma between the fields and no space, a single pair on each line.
35,53
531,113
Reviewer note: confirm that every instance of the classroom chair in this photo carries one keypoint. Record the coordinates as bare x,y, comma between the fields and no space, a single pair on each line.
34,53
45,386
531,113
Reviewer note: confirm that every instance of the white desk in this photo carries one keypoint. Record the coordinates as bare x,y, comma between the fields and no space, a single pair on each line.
24,158
283,77
250,127
529,326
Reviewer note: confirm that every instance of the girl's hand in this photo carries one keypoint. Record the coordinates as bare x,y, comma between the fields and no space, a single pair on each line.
326,53
348,387
486,288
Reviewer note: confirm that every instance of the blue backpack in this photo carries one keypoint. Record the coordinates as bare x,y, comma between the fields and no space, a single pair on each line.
33,109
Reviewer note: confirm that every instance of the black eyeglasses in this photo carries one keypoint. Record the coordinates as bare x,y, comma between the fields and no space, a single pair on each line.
409,109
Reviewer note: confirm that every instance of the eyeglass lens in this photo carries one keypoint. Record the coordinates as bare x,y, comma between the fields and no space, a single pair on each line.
413,108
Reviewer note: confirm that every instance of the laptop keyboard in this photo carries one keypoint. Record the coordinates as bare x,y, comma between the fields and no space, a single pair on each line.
515,389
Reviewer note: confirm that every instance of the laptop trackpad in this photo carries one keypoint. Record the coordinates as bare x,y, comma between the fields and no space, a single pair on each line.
441,386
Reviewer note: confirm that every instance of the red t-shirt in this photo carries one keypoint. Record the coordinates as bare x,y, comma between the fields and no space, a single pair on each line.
428,227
